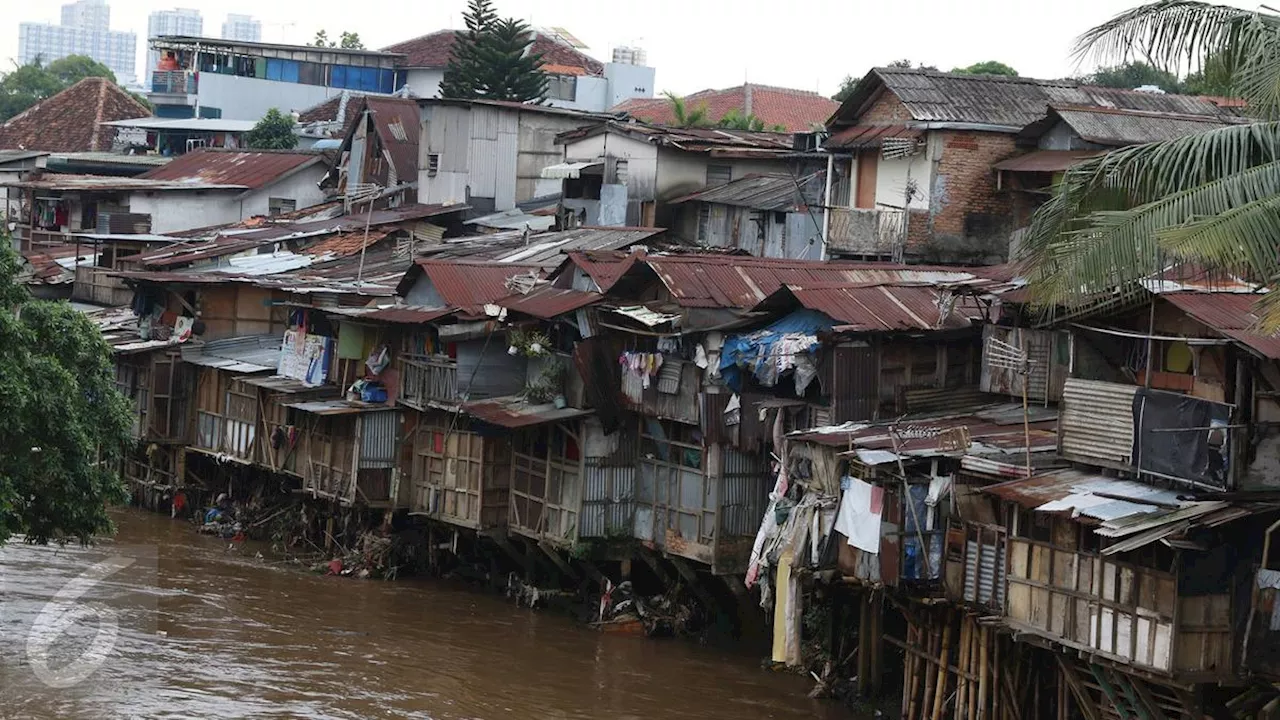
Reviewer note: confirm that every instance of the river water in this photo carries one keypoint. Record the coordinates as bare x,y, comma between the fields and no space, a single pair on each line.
208,631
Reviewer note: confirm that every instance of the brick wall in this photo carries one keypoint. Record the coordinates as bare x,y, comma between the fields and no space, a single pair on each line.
886,110
969,220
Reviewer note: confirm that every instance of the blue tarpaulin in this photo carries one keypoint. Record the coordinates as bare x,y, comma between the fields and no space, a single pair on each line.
755,352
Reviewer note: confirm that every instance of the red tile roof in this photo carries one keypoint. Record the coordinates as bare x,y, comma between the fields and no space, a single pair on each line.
250,168
795,110
434,50
71,121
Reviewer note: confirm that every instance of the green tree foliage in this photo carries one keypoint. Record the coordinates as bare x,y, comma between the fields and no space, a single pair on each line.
28,84
906,64
988,67
686,116
491,60
847,86
1213,78
1210,199
65,423
273,132
347,41
1132,75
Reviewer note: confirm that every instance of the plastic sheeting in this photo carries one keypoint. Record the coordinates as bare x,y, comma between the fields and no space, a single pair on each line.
1161,446
859,518
789,345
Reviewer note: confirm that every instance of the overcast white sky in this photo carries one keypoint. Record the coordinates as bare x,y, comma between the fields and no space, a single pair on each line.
694,44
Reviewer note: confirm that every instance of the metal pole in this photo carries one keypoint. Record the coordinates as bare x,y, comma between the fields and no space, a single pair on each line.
826,206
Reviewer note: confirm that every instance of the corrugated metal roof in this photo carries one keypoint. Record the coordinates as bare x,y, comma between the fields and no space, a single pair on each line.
743,282
547,302
63,182
1046,160
1003,101
548,250
399,314
1106,126
397,122
927,436
869,136
337,407
247,168
513,412
468,285
779,193
1231,314
885,308
247,354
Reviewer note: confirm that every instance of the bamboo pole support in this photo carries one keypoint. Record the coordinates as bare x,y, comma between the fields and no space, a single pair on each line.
997,674
975,636
940,696
983,670
909,672
930,678
917,668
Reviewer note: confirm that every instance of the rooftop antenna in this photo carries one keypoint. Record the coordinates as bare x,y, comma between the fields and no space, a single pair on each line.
356,194
1001,354
899,149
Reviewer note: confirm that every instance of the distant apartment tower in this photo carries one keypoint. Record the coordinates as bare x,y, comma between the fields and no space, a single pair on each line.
85,30
179,21
242,27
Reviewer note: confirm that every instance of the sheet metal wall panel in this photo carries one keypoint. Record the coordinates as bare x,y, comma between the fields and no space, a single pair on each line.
743,489
608,506
1097,421
489,372
378,439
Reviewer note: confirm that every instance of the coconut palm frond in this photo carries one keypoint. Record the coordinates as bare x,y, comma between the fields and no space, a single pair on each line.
1241,239
1169,34
1120,217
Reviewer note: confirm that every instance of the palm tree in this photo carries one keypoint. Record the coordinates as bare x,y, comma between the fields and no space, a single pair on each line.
687,117
1211,199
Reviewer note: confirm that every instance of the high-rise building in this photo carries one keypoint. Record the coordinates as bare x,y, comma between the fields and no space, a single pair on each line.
85,30
241,27
179,21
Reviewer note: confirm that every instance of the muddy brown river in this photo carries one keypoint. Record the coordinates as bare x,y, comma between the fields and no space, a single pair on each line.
164,623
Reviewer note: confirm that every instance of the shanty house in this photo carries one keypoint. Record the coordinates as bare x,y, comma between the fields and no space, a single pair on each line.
929,141
624,173
490,154
777,216
380,150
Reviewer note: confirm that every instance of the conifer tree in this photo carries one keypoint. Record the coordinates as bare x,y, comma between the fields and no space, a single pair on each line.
491,60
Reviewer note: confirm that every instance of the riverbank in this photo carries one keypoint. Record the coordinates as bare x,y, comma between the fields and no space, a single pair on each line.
235,636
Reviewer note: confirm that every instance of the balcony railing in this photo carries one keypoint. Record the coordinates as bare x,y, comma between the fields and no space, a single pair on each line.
176,82
866,231
428,378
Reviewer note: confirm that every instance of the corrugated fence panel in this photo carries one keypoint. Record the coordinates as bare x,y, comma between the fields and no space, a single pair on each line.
378,439
984,574
744,487
506,162
608,506
1097,421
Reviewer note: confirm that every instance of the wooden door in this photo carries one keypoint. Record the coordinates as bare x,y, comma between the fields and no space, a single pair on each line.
866,196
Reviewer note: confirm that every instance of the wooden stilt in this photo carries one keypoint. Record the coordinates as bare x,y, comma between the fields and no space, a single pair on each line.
864,645
930,678
877,643
917,669
975,637
984,670
997,672
962,663
908,672
944,657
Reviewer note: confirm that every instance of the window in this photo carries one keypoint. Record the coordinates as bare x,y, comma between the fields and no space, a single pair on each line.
276,205
433,164
620,172
704,222
718,175
562,87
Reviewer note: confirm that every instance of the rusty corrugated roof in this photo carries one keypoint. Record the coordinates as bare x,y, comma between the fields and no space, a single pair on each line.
397,121
742,282
927,436
248,168
1231,314
884,308
469,286
1046,160
547,302
869,136
781,193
